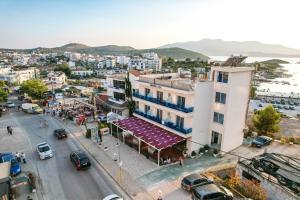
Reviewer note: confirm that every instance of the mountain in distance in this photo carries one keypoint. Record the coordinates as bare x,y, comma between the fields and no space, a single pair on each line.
217,47
175,53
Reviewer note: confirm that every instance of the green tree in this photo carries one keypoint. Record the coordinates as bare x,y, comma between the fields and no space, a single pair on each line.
3,92
128,94
266,121
64,68
35,88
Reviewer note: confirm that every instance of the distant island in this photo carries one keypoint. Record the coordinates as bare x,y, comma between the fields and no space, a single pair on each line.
174,52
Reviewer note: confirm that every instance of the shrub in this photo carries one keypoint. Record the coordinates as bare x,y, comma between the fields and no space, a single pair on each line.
193,153
249,188
88,133
283,140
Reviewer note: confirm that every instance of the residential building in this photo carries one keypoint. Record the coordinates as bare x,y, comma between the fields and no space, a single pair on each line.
123,60
19,75
81,72
57,77
202,112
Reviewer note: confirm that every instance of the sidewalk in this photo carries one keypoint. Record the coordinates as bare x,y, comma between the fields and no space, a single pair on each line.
121,176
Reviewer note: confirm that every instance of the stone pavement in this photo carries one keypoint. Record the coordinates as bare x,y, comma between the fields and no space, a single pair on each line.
104,158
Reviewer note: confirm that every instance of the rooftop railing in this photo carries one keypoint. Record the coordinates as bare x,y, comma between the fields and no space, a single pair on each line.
164,103
164,122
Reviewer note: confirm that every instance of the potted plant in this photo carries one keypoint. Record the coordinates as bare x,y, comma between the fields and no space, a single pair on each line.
193,154
201,151
215,152
291,140
206,148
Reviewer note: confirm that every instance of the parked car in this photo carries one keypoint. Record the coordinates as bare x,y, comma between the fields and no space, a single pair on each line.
191,181
10,104
286,107
211,192
260,105
261,141
15,167
113,197
292,108
21,98
60,133
296,103
279,107
80,160
102,118
44,150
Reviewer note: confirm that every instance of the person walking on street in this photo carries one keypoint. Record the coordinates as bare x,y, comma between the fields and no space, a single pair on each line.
9,130
23,157
8,127
180,161
18,155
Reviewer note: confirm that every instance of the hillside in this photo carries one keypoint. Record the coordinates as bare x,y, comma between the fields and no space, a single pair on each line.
275,61
175,53
218,47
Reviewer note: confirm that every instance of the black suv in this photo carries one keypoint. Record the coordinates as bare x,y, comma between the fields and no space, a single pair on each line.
80,160
60,133
191,181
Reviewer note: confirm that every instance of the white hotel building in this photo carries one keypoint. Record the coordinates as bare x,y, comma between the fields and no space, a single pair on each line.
203,112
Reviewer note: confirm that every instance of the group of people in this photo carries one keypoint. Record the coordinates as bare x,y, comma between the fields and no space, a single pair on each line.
20,157
166,160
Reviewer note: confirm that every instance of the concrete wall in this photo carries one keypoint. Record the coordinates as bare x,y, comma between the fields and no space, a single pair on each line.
202,111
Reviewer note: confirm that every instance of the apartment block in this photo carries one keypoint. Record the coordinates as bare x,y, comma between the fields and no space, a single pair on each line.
202,112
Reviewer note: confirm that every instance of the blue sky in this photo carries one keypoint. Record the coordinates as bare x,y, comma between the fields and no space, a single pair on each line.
146,23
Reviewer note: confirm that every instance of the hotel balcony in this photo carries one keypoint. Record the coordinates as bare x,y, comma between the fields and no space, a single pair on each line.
164,103
164,122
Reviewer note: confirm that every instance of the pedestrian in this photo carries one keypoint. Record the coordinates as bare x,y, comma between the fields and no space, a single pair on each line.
100,136
18,156
10,130
44,111
180,161
45,123
23,157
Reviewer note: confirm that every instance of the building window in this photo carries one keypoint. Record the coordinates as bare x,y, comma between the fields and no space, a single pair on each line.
222,77
180,122
147,109
180,101
218,117
147,91
220,97
119,84
160,96
159,114
119,96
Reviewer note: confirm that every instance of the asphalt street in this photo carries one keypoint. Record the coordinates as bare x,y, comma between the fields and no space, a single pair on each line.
58,178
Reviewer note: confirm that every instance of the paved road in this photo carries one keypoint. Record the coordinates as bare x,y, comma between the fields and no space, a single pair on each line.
58,177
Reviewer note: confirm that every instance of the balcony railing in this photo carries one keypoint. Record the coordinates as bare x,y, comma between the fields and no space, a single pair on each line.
166,123
164,103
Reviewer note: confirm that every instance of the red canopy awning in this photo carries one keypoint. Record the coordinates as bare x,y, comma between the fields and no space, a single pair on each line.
149,133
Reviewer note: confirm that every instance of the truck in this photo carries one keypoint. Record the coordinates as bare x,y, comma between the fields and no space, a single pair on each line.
31,108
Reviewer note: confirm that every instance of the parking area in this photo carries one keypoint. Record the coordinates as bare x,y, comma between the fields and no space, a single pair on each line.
291,108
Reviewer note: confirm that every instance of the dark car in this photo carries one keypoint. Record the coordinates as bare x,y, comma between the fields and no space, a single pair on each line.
80,160
261,141
60,133
211,192
191,181
260,105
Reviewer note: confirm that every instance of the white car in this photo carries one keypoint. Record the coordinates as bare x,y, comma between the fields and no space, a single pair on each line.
44,150
10,104
113,197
